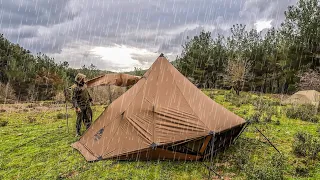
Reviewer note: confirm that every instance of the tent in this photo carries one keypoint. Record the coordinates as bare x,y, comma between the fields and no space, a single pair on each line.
118,79
304,97
163,116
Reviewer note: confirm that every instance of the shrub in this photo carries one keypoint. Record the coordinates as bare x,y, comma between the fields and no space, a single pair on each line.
237,100
303,112
59,97
62,115
3,123
272,169
31,106
266,108
256,117
263,103
302,170
306,145
241,159
31,119
211,95
266,117
314,119
245,111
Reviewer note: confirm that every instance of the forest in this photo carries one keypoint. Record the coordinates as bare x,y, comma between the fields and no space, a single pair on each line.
279,60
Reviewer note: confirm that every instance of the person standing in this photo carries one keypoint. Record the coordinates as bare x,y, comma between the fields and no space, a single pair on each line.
81,101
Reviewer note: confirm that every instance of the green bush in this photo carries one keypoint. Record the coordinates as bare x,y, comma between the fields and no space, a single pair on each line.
3,123
62,115
245,111
263,103
302,170
241,159
303,112
255,117
30,105
272,169
306,145
237,100
211,95
266,118
31,119
266,108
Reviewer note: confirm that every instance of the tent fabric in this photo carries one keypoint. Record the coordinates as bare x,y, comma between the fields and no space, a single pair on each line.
162,108
304,97
113,79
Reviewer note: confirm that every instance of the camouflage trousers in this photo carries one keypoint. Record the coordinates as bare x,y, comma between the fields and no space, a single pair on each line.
84,116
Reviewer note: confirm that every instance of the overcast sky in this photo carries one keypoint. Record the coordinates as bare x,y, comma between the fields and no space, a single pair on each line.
121,34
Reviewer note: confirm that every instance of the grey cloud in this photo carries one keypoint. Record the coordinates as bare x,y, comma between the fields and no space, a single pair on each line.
52,26
38,12
261,9
175,44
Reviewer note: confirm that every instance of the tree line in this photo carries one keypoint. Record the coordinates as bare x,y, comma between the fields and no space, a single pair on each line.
34,77
280,60
275,61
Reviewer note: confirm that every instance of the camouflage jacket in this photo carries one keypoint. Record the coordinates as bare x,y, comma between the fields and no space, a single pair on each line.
80,97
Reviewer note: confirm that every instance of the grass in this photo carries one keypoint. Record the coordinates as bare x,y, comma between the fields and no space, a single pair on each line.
40,149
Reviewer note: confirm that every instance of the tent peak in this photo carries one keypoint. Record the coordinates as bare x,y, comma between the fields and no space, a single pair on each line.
161,55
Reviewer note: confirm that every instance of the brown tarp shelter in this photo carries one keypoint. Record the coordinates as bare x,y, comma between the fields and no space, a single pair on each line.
113,79
163,116
304,97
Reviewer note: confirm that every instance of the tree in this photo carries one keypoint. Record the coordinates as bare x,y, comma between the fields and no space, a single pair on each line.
301,31
138,71
202,59
237,73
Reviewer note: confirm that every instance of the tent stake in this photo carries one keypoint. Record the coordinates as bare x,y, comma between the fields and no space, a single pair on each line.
242,130
267,139
211,161
67,117
110,94
66,102
247,124
211,169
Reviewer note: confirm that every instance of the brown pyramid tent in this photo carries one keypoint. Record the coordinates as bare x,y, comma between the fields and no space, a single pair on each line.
163,116
304,97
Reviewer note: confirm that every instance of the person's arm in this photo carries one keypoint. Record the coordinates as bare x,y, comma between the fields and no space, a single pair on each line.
74,99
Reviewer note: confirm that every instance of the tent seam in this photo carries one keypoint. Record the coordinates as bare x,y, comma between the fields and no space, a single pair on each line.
129,106
186,99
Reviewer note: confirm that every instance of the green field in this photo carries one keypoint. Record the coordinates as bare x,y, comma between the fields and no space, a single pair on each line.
35,144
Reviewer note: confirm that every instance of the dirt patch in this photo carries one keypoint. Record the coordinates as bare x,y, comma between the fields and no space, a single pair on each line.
34,107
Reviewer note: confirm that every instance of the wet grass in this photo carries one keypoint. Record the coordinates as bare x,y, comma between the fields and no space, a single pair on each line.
37,146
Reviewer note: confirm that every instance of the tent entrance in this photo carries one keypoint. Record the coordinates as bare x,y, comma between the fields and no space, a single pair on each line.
203,145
